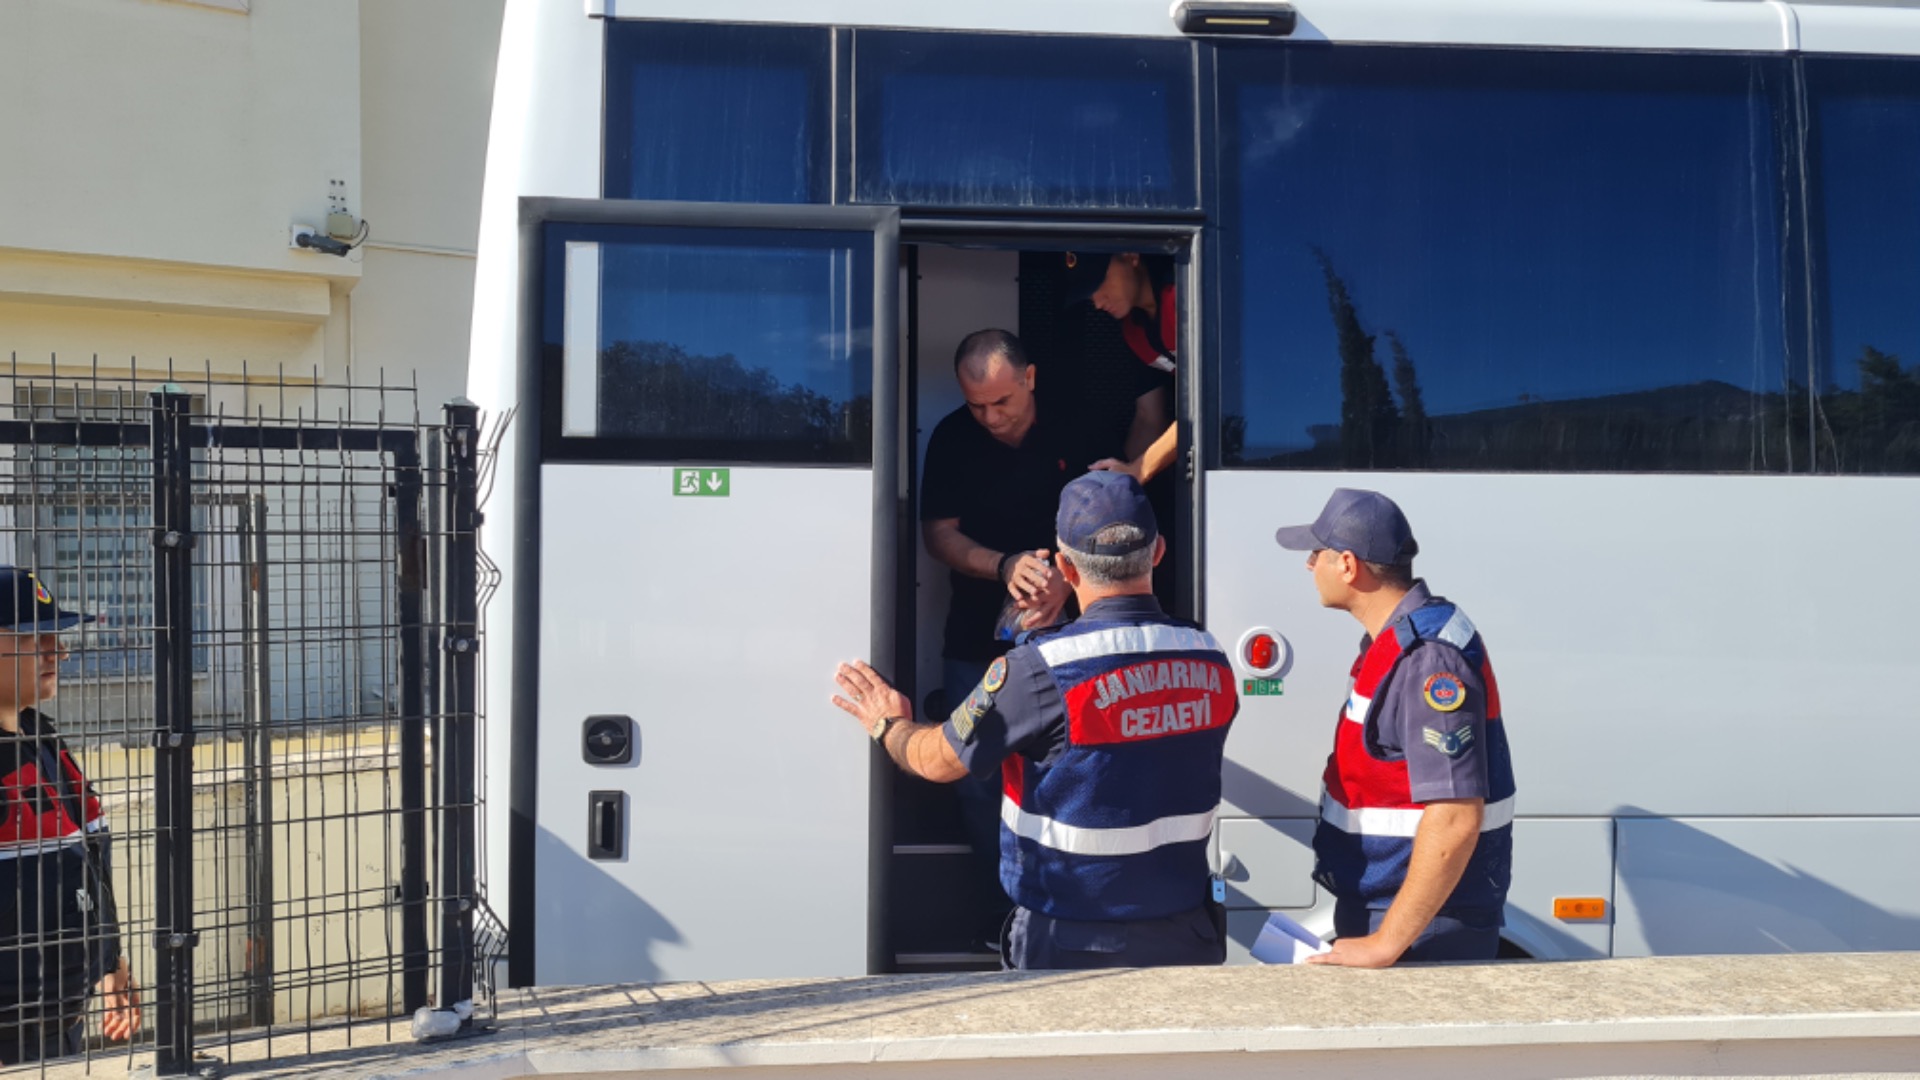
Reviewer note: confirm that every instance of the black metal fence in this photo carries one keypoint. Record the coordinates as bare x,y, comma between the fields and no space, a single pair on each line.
275,707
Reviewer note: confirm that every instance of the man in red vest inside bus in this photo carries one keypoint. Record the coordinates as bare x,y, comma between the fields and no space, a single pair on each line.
1138,292
1107,735
1415,840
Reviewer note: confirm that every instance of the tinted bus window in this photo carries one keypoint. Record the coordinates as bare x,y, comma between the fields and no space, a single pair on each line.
718,113
999,120
667,344
1866,185
1442,259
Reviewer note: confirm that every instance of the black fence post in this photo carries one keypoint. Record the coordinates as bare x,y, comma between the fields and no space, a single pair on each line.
454,759
416,956
173,729
257,730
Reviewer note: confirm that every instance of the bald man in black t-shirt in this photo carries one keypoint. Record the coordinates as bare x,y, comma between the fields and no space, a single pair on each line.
991,484
989,491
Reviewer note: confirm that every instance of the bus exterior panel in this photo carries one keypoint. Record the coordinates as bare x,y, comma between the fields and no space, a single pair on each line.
1618,286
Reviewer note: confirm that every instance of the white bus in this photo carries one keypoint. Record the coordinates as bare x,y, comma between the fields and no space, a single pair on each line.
1619,300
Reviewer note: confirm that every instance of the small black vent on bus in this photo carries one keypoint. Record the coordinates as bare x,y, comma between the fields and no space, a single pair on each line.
1262,20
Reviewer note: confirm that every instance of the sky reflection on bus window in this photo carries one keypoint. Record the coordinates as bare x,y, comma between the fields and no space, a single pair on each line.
1440,259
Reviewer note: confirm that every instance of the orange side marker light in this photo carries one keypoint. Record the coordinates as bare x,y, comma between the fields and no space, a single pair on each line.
1579,907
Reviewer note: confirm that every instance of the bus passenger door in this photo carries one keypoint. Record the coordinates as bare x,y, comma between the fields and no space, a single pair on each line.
715,528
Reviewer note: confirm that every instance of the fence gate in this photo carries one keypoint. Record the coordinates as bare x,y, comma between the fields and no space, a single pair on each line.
276,704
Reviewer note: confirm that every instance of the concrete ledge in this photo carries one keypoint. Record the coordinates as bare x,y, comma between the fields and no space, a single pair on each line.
33,277
1679,1016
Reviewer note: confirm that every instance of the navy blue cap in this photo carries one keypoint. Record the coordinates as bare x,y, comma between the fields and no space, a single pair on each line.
1366,523
1099,499
1086,271
32,610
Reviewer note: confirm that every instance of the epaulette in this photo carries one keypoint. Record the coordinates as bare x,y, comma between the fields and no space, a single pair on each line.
1439,621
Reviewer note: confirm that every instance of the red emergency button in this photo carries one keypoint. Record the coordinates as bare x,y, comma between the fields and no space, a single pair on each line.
1262,651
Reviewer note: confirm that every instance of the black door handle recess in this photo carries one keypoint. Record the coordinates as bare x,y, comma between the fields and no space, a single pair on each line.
606,825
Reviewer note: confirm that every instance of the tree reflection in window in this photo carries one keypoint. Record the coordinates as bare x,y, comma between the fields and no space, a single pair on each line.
1646,430
1875,428
656,389
1508,281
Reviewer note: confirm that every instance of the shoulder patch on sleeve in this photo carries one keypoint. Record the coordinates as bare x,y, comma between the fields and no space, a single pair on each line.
996,676
1444,692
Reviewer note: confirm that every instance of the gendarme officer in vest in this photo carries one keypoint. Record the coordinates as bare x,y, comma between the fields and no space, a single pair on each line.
1107,734
1415,840
59,933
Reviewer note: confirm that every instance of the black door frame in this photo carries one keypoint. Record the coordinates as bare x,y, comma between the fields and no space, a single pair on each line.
1181,236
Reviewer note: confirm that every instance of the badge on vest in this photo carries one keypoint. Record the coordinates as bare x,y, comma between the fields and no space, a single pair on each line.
1450,743
1444,692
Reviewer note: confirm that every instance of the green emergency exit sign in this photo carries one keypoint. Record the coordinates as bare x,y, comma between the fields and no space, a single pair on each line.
1262,687
703,483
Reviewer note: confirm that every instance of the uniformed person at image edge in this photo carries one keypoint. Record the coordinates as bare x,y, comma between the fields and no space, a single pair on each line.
59,932
1415,839
1107,734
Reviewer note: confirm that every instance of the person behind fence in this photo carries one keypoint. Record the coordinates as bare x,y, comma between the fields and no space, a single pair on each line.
1415,839
59,930
1107,734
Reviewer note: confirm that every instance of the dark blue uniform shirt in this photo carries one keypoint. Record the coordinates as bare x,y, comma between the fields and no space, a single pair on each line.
1403,718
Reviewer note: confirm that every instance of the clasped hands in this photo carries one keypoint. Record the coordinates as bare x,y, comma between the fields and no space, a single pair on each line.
1038,588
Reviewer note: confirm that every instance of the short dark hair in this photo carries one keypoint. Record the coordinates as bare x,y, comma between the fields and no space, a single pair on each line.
1392,575
983,345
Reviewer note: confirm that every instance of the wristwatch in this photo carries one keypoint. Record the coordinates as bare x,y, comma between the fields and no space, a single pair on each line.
878,729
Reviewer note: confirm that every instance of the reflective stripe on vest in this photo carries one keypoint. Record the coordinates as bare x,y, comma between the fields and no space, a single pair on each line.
1401,820
1130,840
20,849
1117,640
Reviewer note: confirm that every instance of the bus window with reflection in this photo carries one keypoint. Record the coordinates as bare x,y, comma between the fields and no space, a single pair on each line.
718,113
1492,261
1866,185
670,344
1028,121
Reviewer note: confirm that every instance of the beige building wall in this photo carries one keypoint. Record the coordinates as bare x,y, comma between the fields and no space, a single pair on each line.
426,87
153,156
156,154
